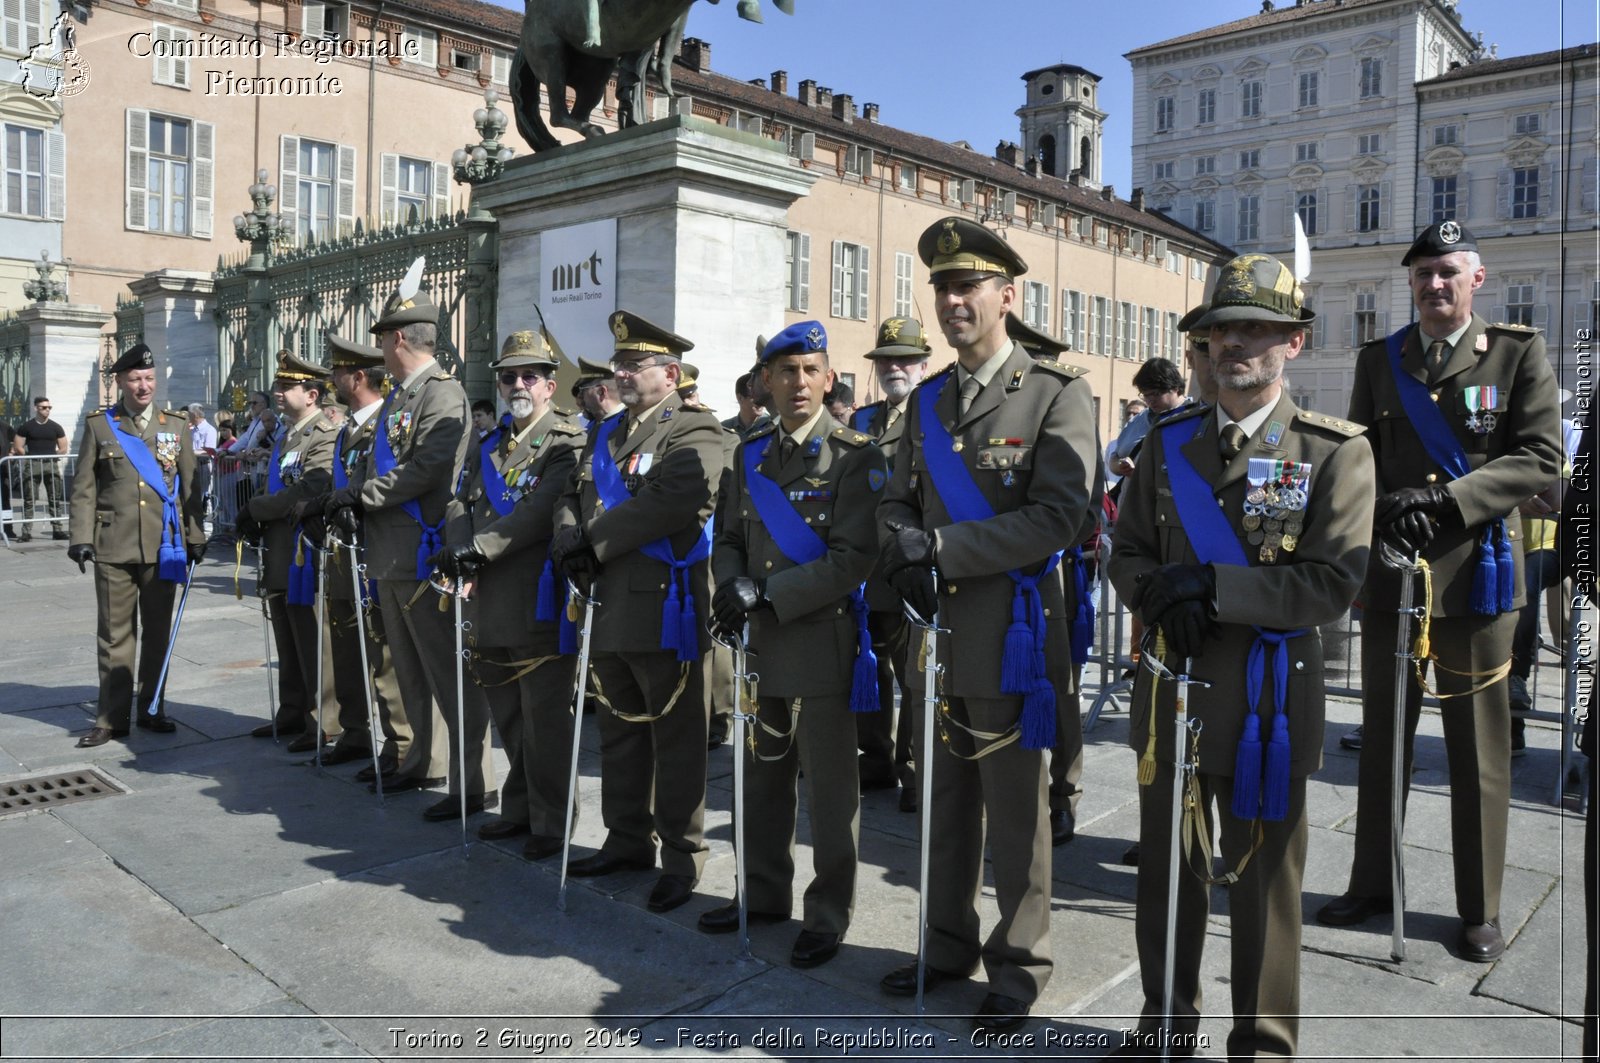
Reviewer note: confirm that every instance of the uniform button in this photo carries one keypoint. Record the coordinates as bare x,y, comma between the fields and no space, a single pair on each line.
1435,396
1431,477
1299,666
141,501
1162,518
1047,612
808,520
769,564
950,587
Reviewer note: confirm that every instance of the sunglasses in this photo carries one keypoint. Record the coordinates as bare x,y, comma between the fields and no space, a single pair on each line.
527,376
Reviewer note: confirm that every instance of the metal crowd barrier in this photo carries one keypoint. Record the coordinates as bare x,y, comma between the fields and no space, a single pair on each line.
35,495
234,481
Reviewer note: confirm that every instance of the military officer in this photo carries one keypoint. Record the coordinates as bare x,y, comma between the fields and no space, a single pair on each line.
499,539
751,416
796,539
299,471
899,362
135,513
361,383
1001,472
1243,528
420,442
633,521
1465,424
595,391
1066,759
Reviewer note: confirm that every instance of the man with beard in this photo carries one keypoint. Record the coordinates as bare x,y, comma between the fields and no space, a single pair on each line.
899,361
499,539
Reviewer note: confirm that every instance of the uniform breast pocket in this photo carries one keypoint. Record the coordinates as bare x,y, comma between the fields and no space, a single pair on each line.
1169,529
110,452
1395,434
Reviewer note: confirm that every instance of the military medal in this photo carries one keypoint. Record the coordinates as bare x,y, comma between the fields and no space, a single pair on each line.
1480,402
1275,505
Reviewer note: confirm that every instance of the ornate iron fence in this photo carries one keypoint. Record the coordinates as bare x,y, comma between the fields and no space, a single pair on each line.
15,376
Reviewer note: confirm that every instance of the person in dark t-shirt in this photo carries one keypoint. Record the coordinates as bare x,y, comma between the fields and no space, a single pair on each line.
41,439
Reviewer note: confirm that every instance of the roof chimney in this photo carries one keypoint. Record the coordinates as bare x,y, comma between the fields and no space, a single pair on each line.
1109,194
780,81
844,108
1075,178
759,83
1138,199
697,54
808,93
869,111
1008,152
1032,167
824,97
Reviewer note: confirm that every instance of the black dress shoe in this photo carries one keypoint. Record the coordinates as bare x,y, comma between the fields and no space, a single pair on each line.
385,762
399,784
1063,825
343,754
1350,910
541,846
99,736
450,807
604,863
496,829
157,723
265,730
307,742
1351,740
725,919
1482,942
813,948
910,799
669,892
902,981
1130,855
999,1012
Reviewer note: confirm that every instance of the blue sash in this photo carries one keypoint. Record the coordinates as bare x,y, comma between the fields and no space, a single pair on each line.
1493,580
383,461
302,567
863,417
341,480
1022,664
1083,614
1215,543
680,628
172,558
800,543
494,482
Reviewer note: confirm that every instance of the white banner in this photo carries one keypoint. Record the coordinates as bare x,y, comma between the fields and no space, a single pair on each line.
578,287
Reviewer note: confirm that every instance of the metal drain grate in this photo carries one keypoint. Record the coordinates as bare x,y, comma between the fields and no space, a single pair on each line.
61,788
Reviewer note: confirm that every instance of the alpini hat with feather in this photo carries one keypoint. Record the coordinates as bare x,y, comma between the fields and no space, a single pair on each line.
1256,288
409,305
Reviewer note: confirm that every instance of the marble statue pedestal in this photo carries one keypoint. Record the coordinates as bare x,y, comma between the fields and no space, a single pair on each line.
702,220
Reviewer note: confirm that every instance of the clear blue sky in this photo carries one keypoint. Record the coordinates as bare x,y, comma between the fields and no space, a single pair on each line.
952,68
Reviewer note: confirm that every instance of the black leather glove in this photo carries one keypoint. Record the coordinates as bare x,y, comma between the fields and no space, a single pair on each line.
459,561
1166,586
314,527
197,552
914,583
735,600
571,551
248,527
82,553
1186,625
907,546
346,518
1406,517
344,498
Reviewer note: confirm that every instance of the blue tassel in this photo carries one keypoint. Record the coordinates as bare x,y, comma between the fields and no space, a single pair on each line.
1082,633
1275,799
1485,597
1016,661
1506,568
172,563
548,607
670,617
864,682
688,632
1039,717
1247,771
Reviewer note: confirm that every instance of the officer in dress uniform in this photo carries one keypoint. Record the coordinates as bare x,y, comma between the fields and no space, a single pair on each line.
1002,469
360,382
633,522
1242,528
796,539
299,471
595,392
135,513
888,754
1066,759
1465,423
421,440
499,539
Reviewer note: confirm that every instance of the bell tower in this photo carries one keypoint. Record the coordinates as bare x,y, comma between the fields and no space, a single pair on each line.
1062,123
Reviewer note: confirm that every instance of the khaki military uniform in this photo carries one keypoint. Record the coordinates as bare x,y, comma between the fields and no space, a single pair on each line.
1310,585
306,460
653,772
1041,478
1521,456
427,419
806,645
527,681
117,513
348,683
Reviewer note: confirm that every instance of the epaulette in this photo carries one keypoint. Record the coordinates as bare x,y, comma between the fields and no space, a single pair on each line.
1514,328
566,428
951,368
698,408
1331,424
440,374
869,406
1183,413
762,430
92,414
1071,372
850,436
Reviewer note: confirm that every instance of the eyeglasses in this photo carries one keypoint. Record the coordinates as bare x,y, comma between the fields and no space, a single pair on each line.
42,406
527,376
632,368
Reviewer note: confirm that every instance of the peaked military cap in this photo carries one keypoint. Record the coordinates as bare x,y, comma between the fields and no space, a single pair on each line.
802,337
589,373
398,312
348,354
136,357
901,337
1186,324
1256,288
293,368
956,243
761,346
1036,343
1440,238
526,347
688,376
634,333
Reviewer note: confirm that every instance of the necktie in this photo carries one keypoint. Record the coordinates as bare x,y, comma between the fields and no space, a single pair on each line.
786,450
1233,441
969,392
894,415
1437,353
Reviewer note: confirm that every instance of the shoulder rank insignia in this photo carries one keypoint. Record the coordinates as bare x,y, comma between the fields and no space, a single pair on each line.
1274,433
814,447
1016,380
